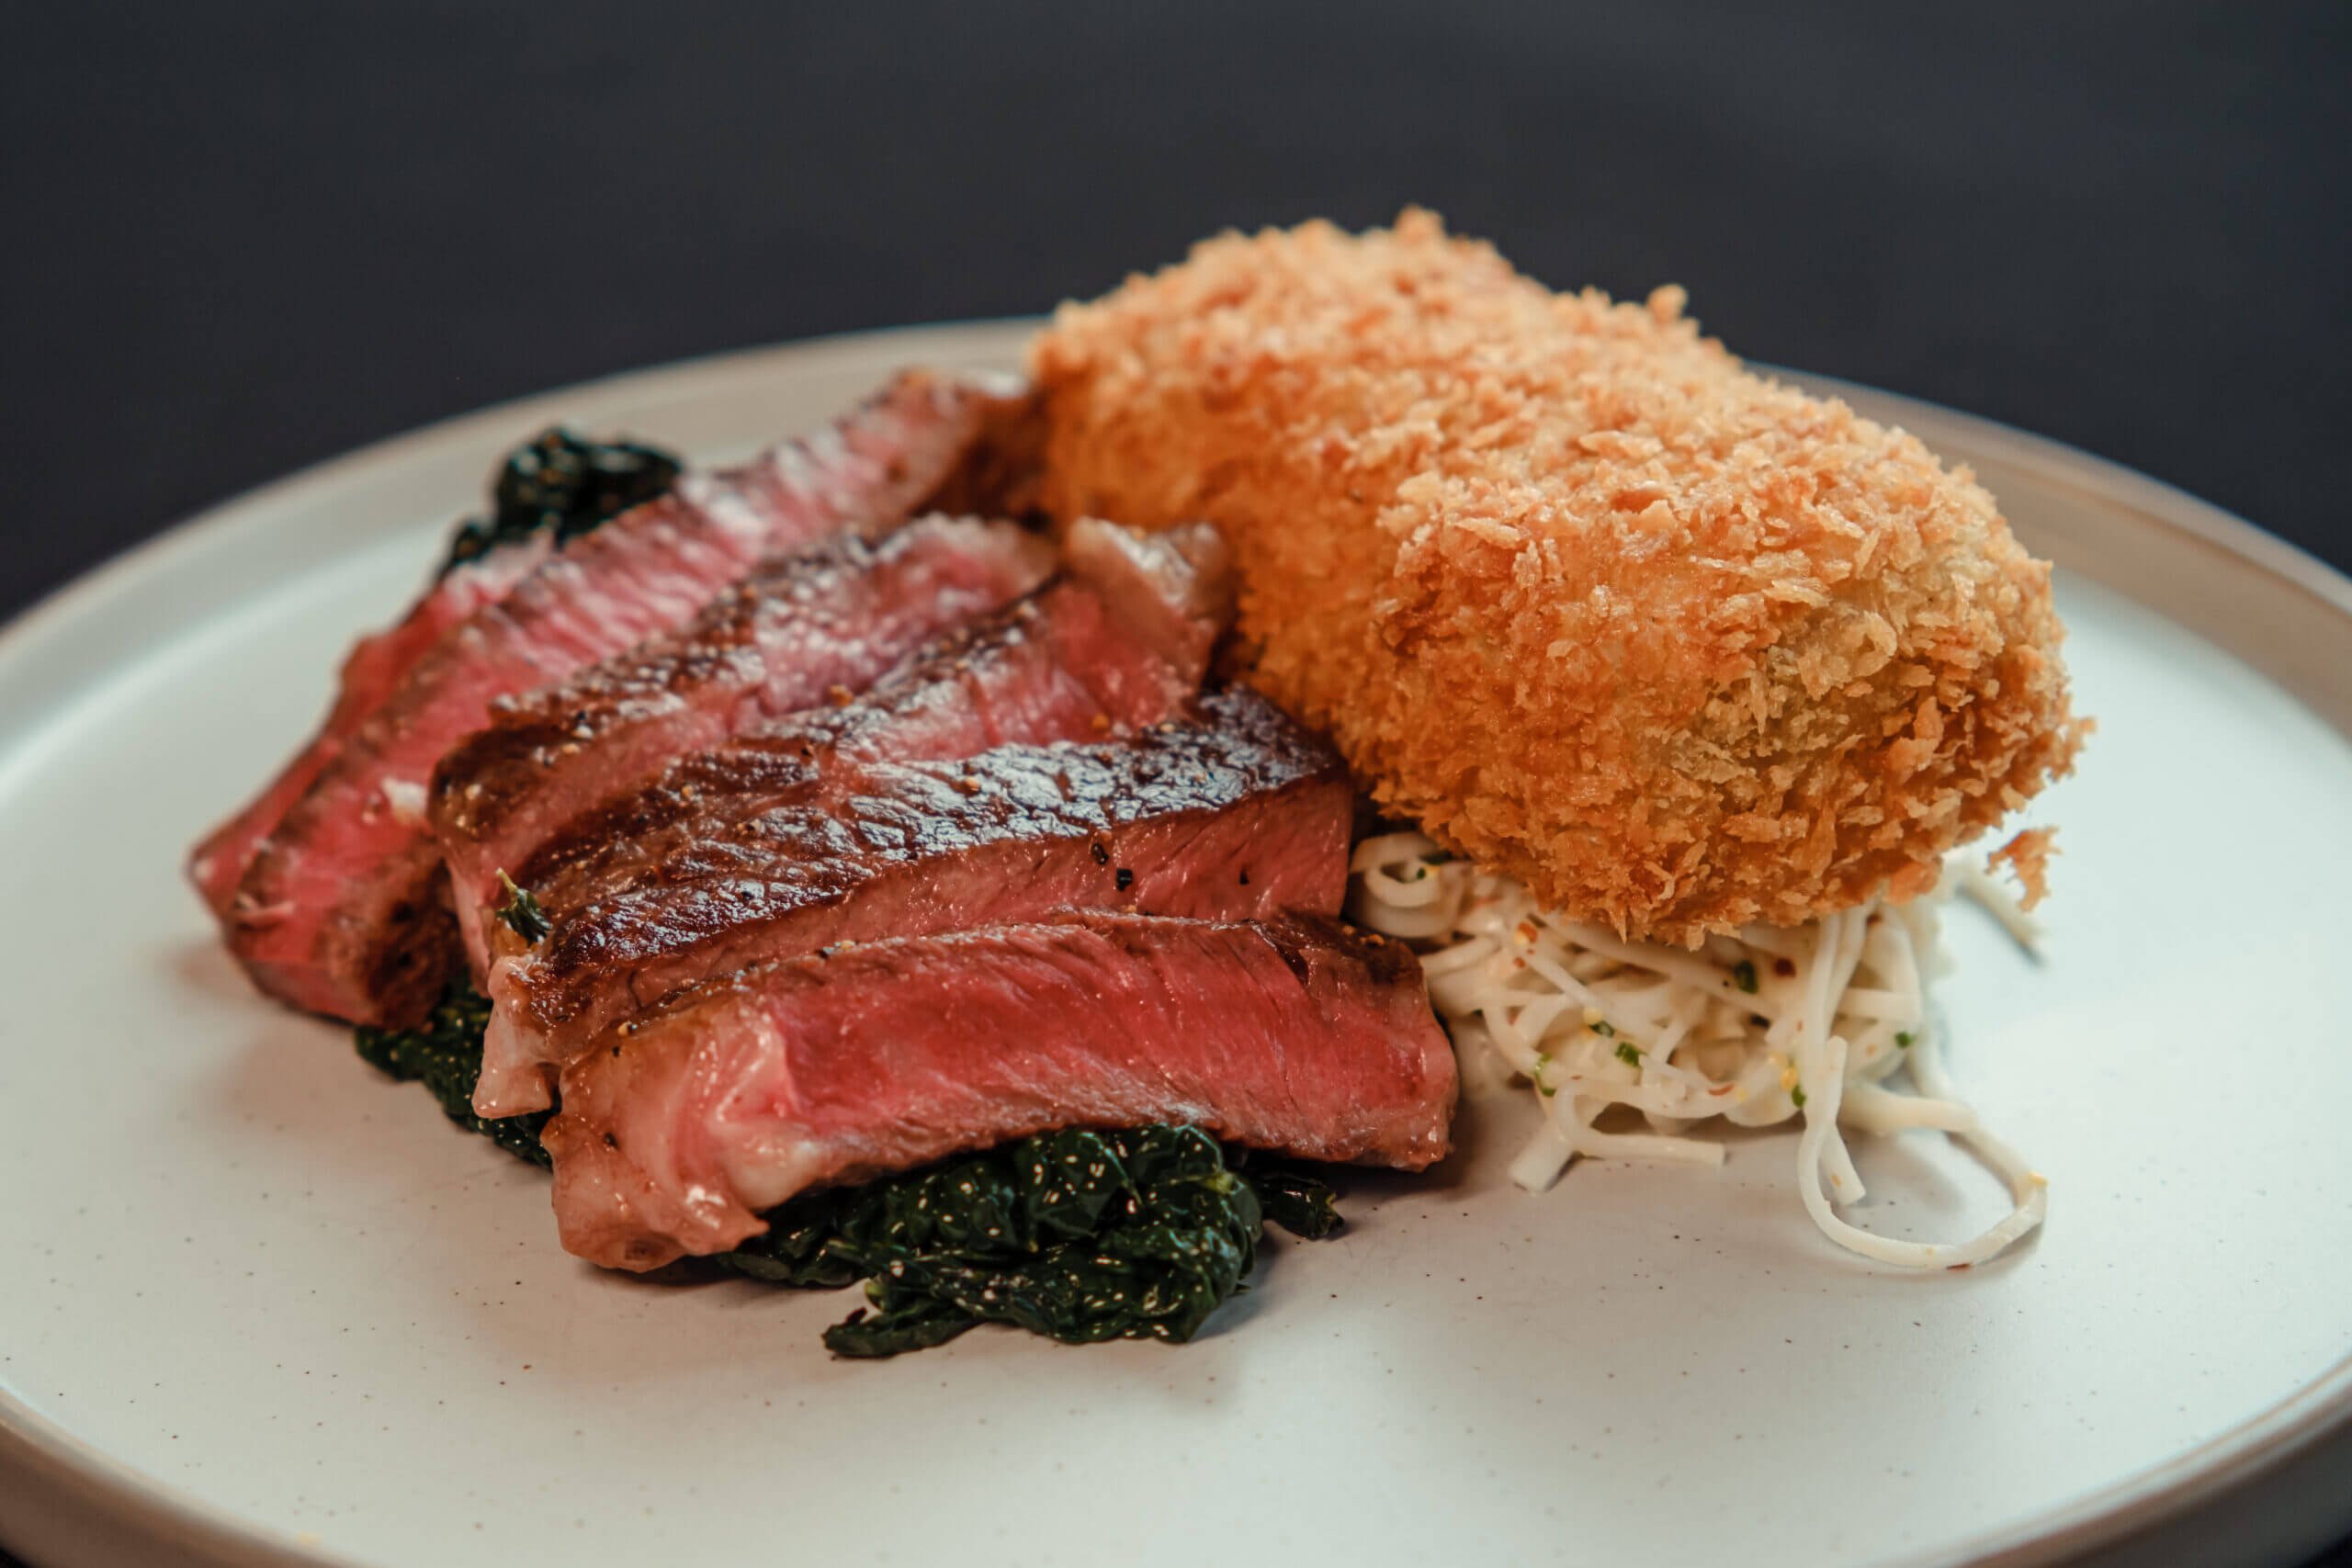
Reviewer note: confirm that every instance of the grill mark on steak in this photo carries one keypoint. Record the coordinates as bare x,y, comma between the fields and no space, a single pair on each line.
1164,824
826,621
1119,641
1297,1035
320,910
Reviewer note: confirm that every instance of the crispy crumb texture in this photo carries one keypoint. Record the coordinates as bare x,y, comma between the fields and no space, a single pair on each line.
2027,855
1680,647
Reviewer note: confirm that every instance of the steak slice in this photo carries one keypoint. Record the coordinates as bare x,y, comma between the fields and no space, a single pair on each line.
822,624
370,673
1119,642
1234,814
344,911
1297,1035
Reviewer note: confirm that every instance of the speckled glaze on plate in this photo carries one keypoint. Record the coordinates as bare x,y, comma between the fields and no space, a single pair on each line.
261,1306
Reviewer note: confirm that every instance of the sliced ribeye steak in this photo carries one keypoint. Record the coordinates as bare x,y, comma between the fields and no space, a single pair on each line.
1231,814
1295,1035
344,908
1119,641
803,629
370,673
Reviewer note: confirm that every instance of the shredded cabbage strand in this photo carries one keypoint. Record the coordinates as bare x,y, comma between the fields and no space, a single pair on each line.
1807,1022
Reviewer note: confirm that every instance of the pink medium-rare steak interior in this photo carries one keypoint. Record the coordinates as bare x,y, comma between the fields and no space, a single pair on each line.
370,673
1295,1035
808,628
1060,665
1234,813
343,910
1078,660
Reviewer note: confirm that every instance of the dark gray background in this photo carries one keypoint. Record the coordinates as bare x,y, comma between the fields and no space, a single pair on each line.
241,238
244,237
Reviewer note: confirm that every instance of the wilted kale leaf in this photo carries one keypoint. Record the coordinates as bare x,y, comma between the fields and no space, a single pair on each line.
1079,1236
565,483
445,1055
1074,1235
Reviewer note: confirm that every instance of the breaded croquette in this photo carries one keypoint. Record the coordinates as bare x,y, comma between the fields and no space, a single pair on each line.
1680,647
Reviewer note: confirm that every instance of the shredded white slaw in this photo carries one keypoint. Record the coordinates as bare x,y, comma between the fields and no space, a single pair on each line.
1809,1022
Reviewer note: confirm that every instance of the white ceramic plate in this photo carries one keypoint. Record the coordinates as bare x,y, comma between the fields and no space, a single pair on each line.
259,1306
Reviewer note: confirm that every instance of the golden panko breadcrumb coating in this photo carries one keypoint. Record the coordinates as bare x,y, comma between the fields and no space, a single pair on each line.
1679,648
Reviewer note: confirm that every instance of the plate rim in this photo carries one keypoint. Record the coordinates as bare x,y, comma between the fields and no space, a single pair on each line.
110,1500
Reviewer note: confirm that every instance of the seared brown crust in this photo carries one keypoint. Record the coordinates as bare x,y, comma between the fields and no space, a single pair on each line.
808,627
1680,647
319,915
1127,631
1233,813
